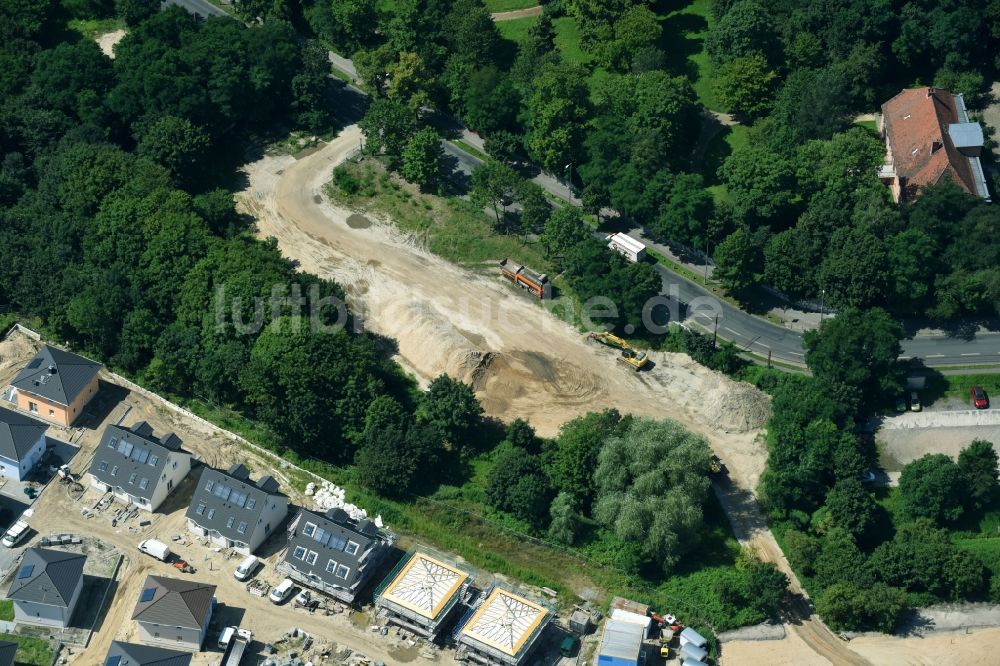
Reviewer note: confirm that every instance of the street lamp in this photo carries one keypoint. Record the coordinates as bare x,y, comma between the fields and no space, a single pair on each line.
569,191
822,309
706,260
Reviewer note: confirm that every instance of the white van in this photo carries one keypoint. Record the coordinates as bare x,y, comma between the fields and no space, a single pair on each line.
282,591
225,637
246,568
155,548
17,531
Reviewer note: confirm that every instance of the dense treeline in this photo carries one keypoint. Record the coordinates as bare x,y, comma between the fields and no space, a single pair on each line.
115,233
867,562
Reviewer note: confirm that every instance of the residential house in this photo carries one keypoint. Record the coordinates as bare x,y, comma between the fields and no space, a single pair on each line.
173,612
47,586
422,591
133,654
22,443
56,385
7,652
333,553
503,629
235,512
929,140
138,467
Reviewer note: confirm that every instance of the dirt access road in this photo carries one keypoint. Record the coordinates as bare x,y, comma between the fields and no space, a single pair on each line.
521,361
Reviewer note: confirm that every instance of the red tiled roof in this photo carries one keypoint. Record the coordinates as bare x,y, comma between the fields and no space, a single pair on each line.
916,125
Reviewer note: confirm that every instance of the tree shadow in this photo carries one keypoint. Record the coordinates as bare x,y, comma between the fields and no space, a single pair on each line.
677,41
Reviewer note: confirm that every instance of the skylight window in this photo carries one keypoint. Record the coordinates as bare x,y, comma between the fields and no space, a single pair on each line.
25,571
147,595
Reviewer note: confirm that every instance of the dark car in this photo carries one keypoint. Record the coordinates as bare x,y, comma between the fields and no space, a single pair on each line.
979,398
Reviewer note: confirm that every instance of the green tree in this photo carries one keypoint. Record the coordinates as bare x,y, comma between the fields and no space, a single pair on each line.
388,127
134,12
978,464
801,550
860,350
564,229
652,480
503,146
347,24
565,525
556,110
738,261
535,207
637,29
746,86
494,184
847,606
760,181
517,485
746,29
175,144
839,559
851,506
932,486
686,214
571,460
452,407
422,158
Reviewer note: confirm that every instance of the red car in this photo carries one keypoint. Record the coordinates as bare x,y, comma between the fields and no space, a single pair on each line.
979,398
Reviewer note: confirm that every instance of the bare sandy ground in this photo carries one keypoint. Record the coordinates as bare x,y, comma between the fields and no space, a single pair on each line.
517,14
522,361
108,40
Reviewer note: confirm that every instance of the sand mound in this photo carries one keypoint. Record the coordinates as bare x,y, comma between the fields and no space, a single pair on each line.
741,408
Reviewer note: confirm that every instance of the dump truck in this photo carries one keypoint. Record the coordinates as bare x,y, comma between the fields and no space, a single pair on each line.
537,284
634,359
627,246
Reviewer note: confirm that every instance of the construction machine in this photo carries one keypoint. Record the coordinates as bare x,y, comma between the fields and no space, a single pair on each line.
634,359
716,466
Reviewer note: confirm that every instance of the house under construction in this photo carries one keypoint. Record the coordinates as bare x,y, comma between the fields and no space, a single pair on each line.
502,629
421,592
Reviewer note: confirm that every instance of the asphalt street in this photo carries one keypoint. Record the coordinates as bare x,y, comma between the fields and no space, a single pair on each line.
689,302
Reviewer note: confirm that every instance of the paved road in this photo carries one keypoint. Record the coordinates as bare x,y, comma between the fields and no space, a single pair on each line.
202,7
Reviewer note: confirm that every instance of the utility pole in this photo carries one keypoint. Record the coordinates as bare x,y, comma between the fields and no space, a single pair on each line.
706,261
568,171
715,331
822,300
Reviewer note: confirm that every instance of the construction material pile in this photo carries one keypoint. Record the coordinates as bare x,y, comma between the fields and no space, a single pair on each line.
742,407
331,496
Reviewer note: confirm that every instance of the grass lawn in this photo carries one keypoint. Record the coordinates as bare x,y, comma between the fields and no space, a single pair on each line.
6,610
509,5
568,41
719,147
472,150
91,28
30,651
516,30
959,387
451,228
683,41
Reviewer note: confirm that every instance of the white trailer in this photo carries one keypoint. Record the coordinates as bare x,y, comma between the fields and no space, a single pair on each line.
627,246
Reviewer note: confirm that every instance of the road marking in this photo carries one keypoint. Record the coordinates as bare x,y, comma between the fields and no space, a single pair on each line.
972,354
796,353
764,345
937,355
730,330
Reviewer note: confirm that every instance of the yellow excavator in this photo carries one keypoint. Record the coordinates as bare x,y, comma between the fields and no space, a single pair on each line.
634,359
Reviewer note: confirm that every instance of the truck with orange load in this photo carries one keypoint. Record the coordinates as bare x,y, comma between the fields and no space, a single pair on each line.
537,284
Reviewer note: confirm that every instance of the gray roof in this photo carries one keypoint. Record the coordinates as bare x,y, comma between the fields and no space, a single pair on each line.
328,535
175,602
7,652
622,640
47,577
966,135
133,451
18,434
56,375
220,496
133,654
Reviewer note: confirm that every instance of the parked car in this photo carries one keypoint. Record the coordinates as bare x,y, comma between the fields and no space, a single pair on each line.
900,404
979,398
915,401
303,598
281,592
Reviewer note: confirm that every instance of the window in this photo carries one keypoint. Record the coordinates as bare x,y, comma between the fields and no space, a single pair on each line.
32,406
229,523
238,498
140,455
201,509
143,483
309,529
125,448
352,548
103,467
208,486
131,478
300,553
211,514
242,527
112,442
337,542
25,571
175,464
52,412
311,557
322,536
331,566
153,459
222,491
147,595
251,503
342,571
114,471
